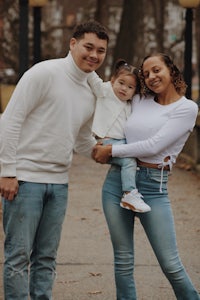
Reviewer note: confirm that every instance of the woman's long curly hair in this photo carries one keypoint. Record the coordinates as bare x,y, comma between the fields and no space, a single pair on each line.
176,75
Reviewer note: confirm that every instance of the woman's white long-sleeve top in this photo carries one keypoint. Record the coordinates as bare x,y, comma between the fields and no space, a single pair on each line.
155,131
49,114
110,113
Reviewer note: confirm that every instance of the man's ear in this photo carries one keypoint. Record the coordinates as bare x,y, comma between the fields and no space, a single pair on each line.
72,43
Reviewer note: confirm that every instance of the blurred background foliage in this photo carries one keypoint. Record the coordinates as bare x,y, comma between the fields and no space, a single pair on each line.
136,28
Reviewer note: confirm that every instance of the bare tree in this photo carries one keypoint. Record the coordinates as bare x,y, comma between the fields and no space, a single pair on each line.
158,11
9,35
102,16
102,11
128,36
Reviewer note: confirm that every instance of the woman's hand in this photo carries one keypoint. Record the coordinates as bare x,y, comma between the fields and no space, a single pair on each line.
102,154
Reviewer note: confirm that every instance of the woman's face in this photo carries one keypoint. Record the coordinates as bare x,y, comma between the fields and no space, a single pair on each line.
157,75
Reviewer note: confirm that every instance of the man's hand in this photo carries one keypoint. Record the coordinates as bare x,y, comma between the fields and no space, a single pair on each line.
8,187
102,154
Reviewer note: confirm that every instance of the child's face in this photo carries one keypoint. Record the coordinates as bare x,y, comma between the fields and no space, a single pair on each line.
124,86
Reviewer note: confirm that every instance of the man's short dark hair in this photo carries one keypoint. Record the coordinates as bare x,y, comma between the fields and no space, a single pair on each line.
91,27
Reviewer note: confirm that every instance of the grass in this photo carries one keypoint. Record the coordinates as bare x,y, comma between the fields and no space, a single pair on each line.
5,94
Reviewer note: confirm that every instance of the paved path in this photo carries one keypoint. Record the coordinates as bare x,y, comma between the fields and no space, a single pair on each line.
85,261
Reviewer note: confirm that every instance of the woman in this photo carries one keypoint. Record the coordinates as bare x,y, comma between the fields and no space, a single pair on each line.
156,132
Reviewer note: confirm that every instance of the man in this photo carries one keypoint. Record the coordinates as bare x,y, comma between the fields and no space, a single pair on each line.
48,116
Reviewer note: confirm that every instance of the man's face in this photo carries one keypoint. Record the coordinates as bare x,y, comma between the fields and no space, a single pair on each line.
88,52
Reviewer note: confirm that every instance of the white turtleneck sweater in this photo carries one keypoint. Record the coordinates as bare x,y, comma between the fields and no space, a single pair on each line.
49,114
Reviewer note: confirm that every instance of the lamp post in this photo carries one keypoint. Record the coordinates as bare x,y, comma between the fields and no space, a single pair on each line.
23,37
37,5
189,5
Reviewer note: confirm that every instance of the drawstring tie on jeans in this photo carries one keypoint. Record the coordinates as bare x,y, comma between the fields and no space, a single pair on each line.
164,164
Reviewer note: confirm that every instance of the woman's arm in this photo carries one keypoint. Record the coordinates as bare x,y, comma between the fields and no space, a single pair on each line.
178,125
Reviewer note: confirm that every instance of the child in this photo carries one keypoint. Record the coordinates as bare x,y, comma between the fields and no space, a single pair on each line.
113,107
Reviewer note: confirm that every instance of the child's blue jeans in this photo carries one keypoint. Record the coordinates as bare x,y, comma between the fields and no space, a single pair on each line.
128,166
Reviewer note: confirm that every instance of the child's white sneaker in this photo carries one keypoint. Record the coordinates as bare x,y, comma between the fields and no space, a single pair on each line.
133,201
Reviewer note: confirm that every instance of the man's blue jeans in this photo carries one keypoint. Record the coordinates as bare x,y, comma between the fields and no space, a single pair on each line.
158,225
32,225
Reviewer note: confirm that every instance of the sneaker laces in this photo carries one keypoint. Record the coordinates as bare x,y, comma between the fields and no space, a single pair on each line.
136,194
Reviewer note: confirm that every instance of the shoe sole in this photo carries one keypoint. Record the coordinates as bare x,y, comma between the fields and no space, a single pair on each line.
131,207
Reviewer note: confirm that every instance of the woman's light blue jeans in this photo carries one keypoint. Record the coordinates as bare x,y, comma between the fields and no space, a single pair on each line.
32,225
158,225
128,166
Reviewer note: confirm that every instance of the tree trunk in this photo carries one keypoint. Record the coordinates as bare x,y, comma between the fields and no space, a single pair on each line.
102,16
126,43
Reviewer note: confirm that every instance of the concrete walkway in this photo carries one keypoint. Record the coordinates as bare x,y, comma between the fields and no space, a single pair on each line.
85,260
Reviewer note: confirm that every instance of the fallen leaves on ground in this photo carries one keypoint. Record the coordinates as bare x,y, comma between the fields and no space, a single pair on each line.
95,293
95,274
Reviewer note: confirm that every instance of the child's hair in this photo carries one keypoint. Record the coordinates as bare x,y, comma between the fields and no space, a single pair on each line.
122,67
176,75
91,26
